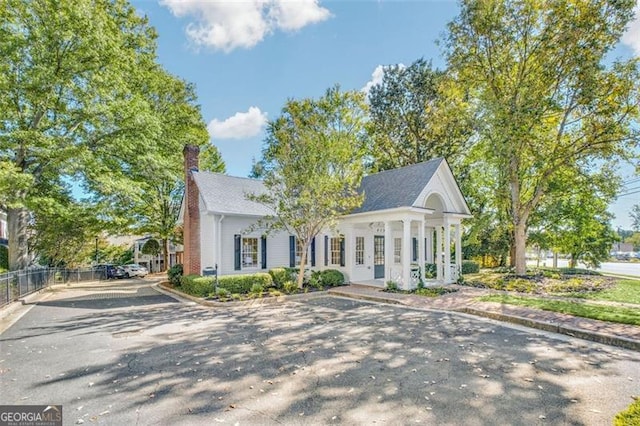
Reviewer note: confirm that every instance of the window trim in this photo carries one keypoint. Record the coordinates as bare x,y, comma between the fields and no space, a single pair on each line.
255,264
359,251
397,251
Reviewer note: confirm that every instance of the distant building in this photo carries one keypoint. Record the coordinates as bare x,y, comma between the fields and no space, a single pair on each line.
4,234
622,248
153,263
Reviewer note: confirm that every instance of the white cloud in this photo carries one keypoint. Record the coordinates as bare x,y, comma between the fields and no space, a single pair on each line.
230,24
241,125
376,76
632,36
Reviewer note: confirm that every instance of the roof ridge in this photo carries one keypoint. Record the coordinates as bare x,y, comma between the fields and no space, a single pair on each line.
230,176
406,167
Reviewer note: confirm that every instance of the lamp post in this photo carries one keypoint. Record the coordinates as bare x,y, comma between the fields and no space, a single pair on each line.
96,250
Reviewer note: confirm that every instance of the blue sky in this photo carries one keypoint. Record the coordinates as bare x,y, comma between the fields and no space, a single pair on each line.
246,58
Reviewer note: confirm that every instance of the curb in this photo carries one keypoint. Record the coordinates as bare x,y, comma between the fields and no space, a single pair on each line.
367,297
557,328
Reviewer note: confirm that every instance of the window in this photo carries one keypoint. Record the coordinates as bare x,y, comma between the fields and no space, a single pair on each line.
335,251
249,252
397,250
359,250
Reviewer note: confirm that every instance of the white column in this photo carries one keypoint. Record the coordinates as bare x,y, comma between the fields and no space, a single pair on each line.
430,244
421,247
388,252
447,251
438,253
406,254
459,246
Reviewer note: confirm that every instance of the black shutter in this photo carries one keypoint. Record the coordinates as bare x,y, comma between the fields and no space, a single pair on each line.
414,257
237,241
292,251
342,251
263,242
313,252
326,250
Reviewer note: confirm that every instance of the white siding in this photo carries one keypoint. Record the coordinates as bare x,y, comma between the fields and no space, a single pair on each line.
208,247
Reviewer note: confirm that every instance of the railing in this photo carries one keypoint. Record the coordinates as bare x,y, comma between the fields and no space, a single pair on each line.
16,284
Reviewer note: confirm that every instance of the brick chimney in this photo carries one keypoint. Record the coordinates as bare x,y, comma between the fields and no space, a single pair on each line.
191,261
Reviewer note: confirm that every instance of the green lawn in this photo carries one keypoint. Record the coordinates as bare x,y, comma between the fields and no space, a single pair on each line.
605,313
627,291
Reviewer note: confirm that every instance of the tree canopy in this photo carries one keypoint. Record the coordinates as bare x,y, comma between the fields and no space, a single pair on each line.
545,101
313,161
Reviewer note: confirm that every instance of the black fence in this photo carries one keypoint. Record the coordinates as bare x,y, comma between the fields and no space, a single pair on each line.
14,285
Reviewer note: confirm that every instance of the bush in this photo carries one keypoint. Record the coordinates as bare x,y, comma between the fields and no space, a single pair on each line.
175,274
279,276
630,416
521,285
430,270
242,283
315,281
392,286
331,278
4,257
577,271
470,267
256,289
290,287
196,285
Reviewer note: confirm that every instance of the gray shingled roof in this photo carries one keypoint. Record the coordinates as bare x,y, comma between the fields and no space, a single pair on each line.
385,190
227,194
396,188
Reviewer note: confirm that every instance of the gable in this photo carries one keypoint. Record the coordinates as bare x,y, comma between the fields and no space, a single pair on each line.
223,194
396,188
444,186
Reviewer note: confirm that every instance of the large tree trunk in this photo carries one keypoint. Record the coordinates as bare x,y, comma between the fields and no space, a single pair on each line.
17,222
520,244
165,254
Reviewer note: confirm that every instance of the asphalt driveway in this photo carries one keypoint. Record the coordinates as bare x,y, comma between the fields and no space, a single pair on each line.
129,355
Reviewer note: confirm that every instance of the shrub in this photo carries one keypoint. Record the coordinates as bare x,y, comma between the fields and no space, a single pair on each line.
470,267
315,280
577,271
630,416
4,257
242,283
430,270
521,285
175,274
222,293
279,276
196,285
256,289
392,286
290,287
331,277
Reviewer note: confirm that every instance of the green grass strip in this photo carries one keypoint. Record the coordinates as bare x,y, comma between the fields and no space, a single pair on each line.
627,291
585,310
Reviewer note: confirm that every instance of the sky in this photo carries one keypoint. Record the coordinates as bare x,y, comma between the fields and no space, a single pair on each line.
247,58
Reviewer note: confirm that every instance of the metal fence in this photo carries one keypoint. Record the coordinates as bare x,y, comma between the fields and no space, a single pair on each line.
14,285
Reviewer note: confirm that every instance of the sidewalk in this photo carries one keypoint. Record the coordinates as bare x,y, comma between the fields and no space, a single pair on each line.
463,300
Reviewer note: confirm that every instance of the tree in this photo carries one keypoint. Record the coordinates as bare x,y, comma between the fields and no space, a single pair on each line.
73,107
416,115
211,160
575,220
545,100
313,164
635,217
152,248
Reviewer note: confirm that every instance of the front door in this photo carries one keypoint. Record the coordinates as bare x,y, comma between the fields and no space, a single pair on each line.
378,256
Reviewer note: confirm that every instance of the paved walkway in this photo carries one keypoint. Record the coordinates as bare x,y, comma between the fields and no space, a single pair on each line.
464,300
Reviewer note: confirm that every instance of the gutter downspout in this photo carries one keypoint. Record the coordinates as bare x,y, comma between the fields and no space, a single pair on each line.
219,242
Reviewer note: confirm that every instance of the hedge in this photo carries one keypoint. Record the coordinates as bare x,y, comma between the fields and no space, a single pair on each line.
196,285
242,283
331,277
470,267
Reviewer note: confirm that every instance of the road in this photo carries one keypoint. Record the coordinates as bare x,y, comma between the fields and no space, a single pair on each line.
619,268
128,355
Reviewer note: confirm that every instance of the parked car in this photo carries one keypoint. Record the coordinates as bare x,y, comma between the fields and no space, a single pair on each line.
134,270
109,271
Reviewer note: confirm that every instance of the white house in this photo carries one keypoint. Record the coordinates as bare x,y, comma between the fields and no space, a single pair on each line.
410,216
